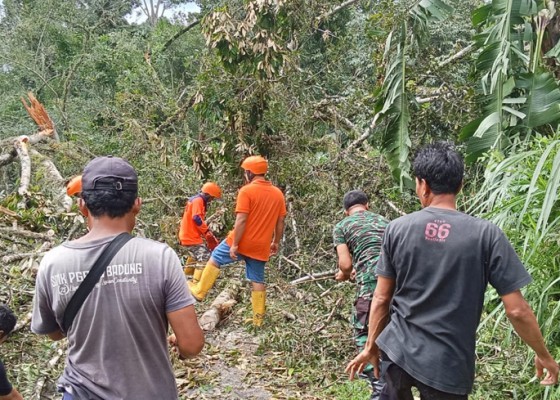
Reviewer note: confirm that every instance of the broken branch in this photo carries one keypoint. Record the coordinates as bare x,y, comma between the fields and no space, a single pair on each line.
23,154
38,113
179,33
336,9
362,138
320,276
394,207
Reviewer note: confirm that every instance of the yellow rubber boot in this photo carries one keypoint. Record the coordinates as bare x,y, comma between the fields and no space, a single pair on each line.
258,298
207,280
197,273
188,269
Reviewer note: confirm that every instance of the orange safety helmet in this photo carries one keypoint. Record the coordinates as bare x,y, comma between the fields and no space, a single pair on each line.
256,164
212,189
74,186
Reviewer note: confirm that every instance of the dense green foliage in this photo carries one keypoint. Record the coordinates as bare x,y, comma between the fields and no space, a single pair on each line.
335,98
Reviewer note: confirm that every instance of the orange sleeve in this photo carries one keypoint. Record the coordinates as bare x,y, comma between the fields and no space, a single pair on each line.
199,209
243,204
283,210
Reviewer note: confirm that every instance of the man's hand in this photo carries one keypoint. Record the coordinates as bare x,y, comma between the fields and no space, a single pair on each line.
357,365
211,241
551,366
341,276
233,251
274,248
172,340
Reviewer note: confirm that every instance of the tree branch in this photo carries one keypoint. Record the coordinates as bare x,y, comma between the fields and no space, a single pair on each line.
320,276
177,115
23,154
394,207
361,139
58,181
28,234
457,55
40,115
8,158
181,32
329,13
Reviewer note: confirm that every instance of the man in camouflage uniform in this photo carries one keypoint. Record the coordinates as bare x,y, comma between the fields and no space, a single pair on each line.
357,239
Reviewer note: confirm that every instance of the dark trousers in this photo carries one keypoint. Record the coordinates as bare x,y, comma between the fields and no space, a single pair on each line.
398,386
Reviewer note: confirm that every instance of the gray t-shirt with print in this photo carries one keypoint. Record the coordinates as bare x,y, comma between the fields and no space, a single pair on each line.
442,261
117,344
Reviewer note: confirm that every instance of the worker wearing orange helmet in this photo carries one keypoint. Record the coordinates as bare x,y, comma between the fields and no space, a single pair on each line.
74,186
193,228
259,225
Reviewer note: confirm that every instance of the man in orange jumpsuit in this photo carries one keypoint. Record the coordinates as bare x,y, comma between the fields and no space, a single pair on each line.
259,225
193,228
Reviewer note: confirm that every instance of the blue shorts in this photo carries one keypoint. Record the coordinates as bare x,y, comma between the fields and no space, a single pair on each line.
254,269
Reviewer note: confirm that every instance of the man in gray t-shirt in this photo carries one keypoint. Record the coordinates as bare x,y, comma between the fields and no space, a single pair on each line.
117,344
433,271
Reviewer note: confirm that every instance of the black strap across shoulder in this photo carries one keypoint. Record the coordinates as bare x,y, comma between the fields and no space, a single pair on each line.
92,278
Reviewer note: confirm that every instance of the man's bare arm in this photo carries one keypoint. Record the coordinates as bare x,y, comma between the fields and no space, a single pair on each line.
278,232
525,324
189,338
379,311
344,262
238,231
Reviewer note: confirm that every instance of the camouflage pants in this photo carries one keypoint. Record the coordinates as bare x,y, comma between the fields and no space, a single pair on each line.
199,252
360,319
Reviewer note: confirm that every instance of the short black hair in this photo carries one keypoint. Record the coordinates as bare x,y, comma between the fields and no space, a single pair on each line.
112,203
354,197
7,320
441,167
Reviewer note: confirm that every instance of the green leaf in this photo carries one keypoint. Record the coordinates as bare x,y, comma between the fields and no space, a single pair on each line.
551,195
480,15
395,111
438,9
487,123
543,98
536,175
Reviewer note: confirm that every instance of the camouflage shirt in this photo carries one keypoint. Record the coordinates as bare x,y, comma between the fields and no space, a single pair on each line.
362,232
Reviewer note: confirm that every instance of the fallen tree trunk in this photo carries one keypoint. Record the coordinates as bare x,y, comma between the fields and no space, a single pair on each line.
54,176
20,148
219,308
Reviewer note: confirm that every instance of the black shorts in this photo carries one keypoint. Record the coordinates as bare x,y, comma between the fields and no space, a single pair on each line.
398,385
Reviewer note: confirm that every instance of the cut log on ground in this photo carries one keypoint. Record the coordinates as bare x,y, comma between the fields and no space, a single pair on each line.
219,308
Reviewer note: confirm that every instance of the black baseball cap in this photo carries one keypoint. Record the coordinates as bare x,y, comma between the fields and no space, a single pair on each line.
109,173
